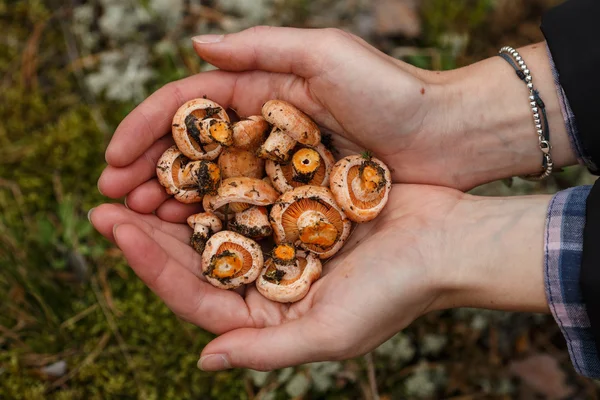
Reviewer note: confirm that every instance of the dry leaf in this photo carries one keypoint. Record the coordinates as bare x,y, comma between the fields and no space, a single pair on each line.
543,374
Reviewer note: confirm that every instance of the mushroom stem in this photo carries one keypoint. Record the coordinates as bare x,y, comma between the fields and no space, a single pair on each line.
204,225
369,182
306,163
284,254
198,129
253,223
285,264
277,147
225,265
203,175
201,230
316,229
218,130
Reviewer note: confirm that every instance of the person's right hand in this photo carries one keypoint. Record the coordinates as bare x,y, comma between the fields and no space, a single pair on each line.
431,248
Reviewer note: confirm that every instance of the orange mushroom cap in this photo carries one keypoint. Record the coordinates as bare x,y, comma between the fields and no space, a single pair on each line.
292,121
361,186
240,194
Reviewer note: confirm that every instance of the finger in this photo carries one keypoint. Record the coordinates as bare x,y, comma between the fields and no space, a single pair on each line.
244,92
147,197
105,216
303,52
262,349
198,302
173,238
116,182
176,212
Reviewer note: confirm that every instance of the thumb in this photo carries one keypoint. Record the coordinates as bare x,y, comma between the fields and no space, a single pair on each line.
303,52
263,349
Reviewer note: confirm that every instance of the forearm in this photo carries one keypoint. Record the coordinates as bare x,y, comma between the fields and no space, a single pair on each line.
497,255
485,109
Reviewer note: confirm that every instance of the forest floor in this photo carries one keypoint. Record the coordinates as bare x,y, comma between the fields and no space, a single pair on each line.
75,322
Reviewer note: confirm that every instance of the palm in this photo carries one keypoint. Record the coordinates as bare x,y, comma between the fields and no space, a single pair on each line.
374,287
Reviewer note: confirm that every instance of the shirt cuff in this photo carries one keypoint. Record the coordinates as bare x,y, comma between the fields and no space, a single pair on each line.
563,250
569,118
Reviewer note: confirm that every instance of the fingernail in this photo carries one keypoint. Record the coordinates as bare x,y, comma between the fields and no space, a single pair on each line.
213,362
90,214
115,231
125,203
98,185
203,39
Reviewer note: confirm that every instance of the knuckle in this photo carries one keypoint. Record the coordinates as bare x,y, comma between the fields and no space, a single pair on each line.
259,30
337,34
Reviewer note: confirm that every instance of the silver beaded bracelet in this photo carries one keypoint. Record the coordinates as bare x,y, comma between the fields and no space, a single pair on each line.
538,110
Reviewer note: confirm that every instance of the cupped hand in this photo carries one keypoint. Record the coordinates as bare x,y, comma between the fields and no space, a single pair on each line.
386,276
366,98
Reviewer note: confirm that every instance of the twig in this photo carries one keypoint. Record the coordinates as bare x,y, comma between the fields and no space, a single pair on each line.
372,376
88,360
102,275
18,195
29,57
73,54
78,317
115,330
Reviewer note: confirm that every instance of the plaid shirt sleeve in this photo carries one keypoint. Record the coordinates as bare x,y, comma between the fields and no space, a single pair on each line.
569,117
563,251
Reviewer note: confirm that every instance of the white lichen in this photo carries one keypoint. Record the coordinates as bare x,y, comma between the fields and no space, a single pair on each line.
398,349
298,386
433,344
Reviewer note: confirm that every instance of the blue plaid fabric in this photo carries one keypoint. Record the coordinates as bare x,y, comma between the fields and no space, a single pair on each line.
563,251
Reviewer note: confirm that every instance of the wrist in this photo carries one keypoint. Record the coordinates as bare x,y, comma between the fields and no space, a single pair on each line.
494,257
484,109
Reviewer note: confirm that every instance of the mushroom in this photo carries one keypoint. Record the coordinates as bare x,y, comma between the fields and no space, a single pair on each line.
287,276
252,223
238,194
204,226
238,163
361,185
290,126
200,128
309,166
241,159
231,260
187,180
249,133
309,217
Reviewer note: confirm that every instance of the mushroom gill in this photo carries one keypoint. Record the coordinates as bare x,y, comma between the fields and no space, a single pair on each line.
309,217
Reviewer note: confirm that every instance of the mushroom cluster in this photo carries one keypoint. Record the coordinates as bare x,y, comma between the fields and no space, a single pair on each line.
276,203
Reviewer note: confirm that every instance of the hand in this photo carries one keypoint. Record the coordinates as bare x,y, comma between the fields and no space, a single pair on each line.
458,129
432,248
368,99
